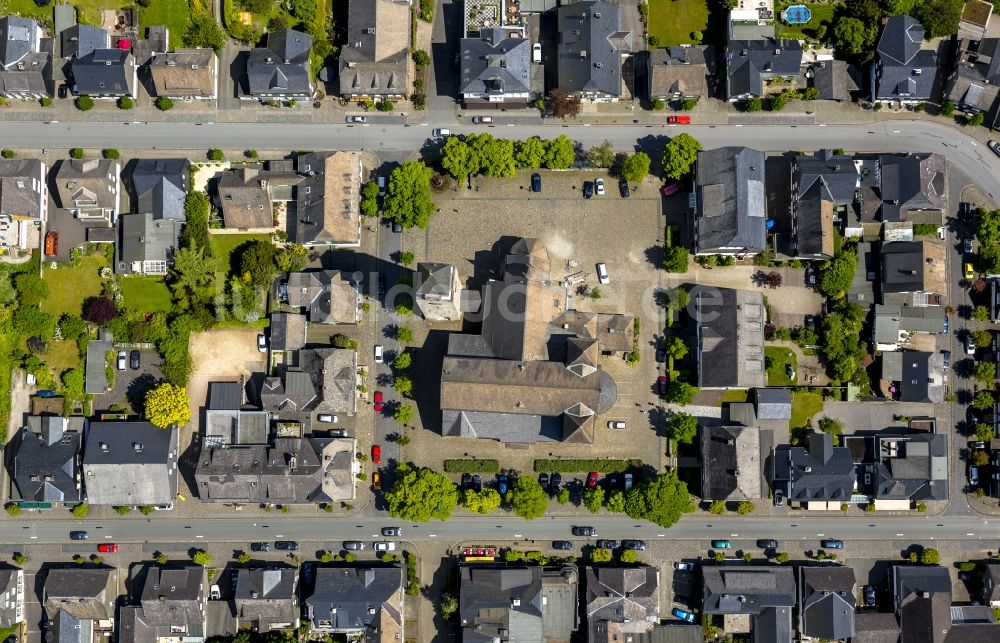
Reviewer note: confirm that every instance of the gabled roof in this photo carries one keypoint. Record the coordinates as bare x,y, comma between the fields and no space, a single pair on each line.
185,73
87,184
590,48
287,471
621,600
357,598
327,202
144,238
79,594
267,596
731,211
908,182
911,467
22,188
922,597
18,38
46,463
293,391
913,266
494,64
161,185
749,62
174,596
904,70
729,338
288,331
901,40
12,588
773,403
875,627
731,466
281,67
333,372
81,40
835,79
680,70
827,602
920,375
375,57
746,589
327,295
104,72
822,473
130,463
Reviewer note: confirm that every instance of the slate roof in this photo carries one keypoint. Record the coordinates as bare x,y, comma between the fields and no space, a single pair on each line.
820,183
529,603
875,627
293,391
729,336
46,463
74,596
288,331
244,199
81,40
973,82
590,48
920,375
913,266
911,467
621,601
357,598
333,375
130,463
827,602
287,472
281,68
144,238
773,403
731,208
991,583
160,186
891,318
922,596
328,296
911,182
750,62
822,473
375,58
327,202
746,589
172,598
12,589
23,191
835,79
96,377
87,185
18,38
267,597
903,70
24,66
104,72
494,65
185,73
731,466
680,71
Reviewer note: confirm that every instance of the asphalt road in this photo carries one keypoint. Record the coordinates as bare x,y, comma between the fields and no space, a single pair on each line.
976,160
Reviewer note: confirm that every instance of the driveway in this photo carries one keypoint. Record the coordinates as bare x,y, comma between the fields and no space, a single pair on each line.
221,355
131,385
793,297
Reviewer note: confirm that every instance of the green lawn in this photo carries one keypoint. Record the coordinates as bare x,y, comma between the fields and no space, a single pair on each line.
146,294
820,13
778,359
62,356
224,244
804,406
88,11
673,21
172,13
733,396
68,287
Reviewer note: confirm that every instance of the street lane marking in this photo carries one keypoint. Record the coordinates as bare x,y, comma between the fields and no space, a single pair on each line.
433,535
517,536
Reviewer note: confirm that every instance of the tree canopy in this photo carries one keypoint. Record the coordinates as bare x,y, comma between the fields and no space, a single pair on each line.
527,498
408,201
529,153
459,159
255,262
635,167
842,345
167,405
939,17
835,277
204,32
481,502
560,153
683,427
679,156
660,499
421,494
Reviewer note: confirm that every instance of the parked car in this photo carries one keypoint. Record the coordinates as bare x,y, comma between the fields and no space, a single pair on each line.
684,615
466,481
260,547
215,593
381,285
63,91
599,186
661,384
974,476
376,481
384,546
262,343
767,543
536,182
607,543
482,120
536,52
357,119
678,120
661,355
810,276
671,188
378,401
563,545
967,246
376,454
354,545
588,190
441,131
51,242
554,482
108,548
396,227
993,145
638,545
477,483
682,566
722,544
46,393
946,355
166,506
327,419
379,354
779,497
970,346
392,531
616,424
286,545
133,360
944,326
589,532
869,595
543,480
628,481
502,484
592,479
122,360
623,189
969,272
832,543
602,274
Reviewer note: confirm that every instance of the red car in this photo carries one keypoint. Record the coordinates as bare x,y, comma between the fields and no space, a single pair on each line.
378,401
108,548
671,188
678,120
661,384
592,479
376,454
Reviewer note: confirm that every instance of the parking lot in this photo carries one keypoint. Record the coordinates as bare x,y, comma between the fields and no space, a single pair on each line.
132,384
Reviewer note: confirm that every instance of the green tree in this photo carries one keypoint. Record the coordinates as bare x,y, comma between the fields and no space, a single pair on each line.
482,502
31,288
80,511
304,10
930,556
403,414
529,154
984,432
8,294
76,153
160,558
204,32
84,103
835,277
402,361
939,17
369,199
776,102
192,270
215,154
30,321
753,104
496,155
448,606
675,259
635,167
201,557
560,153
408,201
853,38
679,156
403,385
111,153
13,509
255,261
73,382
982,338
984,372
717,508
660,499
947,108
602,155
975,120
833,427
600,555
194,234
527,498
680,392
983,400
744,507
167,405
164,104
676,348
420,494
782,558
593,499
810,93
243,557
658,105
682,427
404,334
459,159
842,346
615,502
421,58
629,556
981,313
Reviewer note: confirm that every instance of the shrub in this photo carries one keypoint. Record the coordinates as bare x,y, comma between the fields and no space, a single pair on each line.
164,104
110,153
688,104
921,507
563,496
782,558
250,154
160,558
7,153
201,557
76,153
84,103
947,108
80,511
216,155
350,557
975,120
126,102
19,558
745,507
658,104
717,508
472,466
654,41
45,101
13,509
585,466
753,105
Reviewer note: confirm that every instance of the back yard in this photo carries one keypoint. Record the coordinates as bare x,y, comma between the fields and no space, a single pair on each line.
172,13
674,22
70,286
778,360
146,294
821,14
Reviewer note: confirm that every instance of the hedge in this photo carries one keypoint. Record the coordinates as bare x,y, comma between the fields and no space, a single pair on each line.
585,466
472,466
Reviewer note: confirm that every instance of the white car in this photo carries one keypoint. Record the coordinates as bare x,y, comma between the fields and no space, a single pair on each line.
482,120
602,274
215,593
441,131
262,343
379,354
357,119
684,566
599,187
328,419
993,145
970,346
536,53
122,360
385,546
616,424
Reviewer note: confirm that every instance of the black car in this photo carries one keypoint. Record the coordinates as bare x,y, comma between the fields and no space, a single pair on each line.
810,277
133,360
562,544
286,545
637,545
536,182
554,483
392,531
466,480
396,227
971,418
78,535
543,480
381,285
832,543
661,354
63,91
584,531
607,543
767,543
946,355
810,322
869,596
588,189
623,188
477,483
260,547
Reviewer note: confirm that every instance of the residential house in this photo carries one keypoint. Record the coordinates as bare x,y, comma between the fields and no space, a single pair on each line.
327,205
826,602
903,71
147,244
90,189
751,598
896,325
228,421
172,606
11,595
731,463
266,598
729,338
328,296
288,332
130,463
972,84
922,602
375,59
185,74
910,467
622,603
540,603
358,601
823,186
590,49
281,69
907,187
46,461
24,202
914,273
25,59
991,585
160,187
437,291
680,73
730,215
755,68
875,627
245,195
79,603
82,40
518,381
772,407
495,70
818,477
834,79
104,73
324,381
975,20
